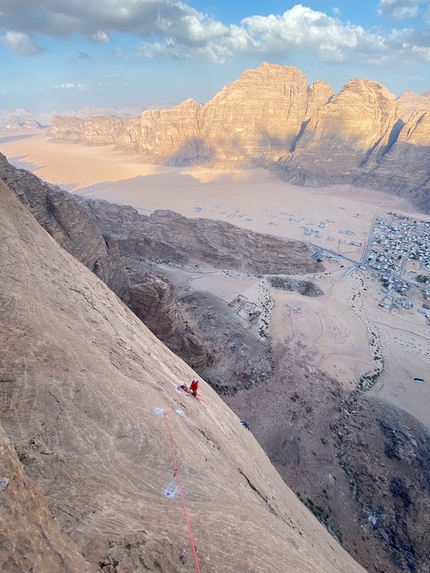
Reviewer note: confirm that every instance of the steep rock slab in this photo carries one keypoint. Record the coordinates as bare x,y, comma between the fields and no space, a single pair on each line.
30,537
59,214
84,409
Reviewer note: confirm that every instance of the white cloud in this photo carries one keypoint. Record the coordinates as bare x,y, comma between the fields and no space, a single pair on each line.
67,86
172,29
100,36
400,9
21,44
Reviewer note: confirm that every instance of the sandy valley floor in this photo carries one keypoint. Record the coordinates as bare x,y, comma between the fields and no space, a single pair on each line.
334,331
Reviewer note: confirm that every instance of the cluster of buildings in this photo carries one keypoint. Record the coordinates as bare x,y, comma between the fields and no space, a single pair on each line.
396,243
399,249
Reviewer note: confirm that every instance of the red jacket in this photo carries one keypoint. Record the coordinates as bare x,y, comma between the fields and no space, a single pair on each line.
194,386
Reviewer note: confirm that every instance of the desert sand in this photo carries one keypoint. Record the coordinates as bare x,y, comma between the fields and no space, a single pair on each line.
335,331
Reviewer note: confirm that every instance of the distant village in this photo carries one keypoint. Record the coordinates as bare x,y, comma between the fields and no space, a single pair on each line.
399,250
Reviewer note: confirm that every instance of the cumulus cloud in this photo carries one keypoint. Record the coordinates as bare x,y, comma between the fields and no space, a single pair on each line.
172,29
21,44
400,9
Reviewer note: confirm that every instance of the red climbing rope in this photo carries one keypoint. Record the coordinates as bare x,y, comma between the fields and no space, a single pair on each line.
176,474
198,397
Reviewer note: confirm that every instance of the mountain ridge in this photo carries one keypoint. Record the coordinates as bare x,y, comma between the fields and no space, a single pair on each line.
270,117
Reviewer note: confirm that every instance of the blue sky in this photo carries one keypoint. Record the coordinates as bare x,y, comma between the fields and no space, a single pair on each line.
69,53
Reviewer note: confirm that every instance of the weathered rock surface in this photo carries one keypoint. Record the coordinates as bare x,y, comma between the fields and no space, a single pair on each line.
341,135
89,402
155,302
412,103
30,536
59,214
166,235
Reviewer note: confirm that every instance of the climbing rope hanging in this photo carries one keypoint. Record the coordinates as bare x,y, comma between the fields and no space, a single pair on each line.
178,480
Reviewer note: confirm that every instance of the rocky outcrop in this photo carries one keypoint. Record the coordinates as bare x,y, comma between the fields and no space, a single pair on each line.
412,102
77,233
155,302
341,135
90,405
172,136
66,128
93,130
22,125
168,236
306,288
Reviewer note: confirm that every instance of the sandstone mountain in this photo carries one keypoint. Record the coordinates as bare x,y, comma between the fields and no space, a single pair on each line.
99,447
271,118
22,125
257,117
412,102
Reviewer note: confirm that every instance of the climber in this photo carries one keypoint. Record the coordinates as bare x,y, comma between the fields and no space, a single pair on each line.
194,387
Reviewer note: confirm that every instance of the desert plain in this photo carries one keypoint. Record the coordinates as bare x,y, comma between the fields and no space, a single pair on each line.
343,332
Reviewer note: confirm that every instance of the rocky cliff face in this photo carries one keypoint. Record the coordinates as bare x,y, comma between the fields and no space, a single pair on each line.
412,102
90,404
168,236
393,170
155,302
59,214
342,134
270,117
257,117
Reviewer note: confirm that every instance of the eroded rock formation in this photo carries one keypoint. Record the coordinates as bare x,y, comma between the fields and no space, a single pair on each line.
341,135
257,117
168,236
270,117
155,302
